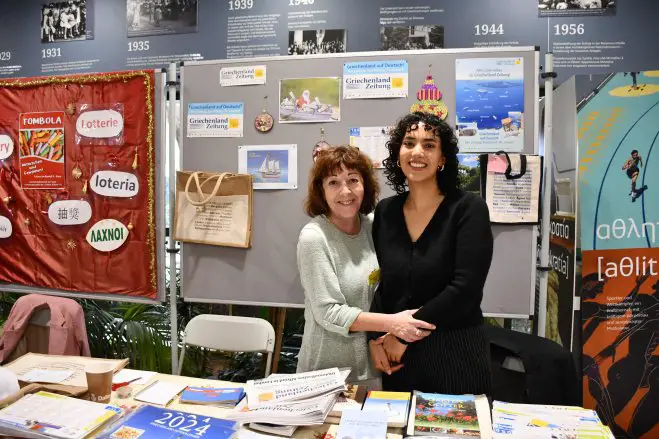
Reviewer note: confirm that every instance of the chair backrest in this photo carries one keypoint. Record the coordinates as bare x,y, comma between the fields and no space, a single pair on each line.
230,333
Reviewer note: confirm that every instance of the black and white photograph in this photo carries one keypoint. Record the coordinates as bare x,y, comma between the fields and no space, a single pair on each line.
552,8
313,41
161,17
421,37
66,21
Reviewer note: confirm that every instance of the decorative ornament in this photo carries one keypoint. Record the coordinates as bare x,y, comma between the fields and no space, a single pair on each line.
130,226
71,244
321,145
84,187
135,159
429,98
71,109
264,121
49,199
76,172
8,199
27,222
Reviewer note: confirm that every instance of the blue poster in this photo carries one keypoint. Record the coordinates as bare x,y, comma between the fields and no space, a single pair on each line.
489,104
149,422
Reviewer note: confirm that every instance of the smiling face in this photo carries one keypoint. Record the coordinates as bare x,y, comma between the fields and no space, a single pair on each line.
344,193
421,155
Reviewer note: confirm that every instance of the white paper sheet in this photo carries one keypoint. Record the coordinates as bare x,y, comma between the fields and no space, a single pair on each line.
46,376
125,375
160,392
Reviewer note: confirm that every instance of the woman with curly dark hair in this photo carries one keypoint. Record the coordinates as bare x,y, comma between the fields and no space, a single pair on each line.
434,245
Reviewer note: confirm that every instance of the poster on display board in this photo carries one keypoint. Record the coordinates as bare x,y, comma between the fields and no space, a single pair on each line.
243,75
618,174
489,108
372,141
41,150
222,119
310,100
560,284
374,80
86,243
271,166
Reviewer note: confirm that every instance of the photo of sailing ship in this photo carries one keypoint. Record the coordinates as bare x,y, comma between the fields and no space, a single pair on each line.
271,166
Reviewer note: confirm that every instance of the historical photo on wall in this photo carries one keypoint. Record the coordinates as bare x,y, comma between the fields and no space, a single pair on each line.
161,17
66,21
576,7
309,100
411,37
309,41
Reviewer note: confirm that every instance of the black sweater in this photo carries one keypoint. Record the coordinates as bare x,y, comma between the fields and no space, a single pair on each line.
444,271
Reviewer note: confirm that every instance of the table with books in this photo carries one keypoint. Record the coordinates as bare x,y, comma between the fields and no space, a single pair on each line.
311,405
326,430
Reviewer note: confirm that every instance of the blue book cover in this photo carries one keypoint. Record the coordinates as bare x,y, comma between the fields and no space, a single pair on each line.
149,422
210,395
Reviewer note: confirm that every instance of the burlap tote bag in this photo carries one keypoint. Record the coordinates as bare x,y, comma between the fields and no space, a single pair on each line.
214,209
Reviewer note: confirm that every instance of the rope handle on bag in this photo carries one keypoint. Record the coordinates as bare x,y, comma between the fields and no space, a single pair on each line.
195,176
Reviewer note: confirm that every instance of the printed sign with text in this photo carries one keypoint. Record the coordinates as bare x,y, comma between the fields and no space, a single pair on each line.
41,150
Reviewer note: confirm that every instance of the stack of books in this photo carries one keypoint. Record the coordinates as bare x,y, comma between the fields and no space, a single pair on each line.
546,422
295,399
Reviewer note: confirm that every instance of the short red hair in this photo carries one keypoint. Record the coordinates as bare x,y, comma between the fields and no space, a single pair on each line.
329,162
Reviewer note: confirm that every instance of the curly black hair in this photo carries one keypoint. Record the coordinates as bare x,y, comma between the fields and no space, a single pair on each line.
447,180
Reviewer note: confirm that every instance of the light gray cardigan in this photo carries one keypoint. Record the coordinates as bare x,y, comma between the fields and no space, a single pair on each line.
335,269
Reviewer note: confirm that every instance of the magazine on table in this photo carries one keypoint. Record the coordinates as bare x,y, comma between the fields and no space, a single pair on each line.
395,404
309,412
357,424
294,387
546,421
221,397
449,416
45,414
150,422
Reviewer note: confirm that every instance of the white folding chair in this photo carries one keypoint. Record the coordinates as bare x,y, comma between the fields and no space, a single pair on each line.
229,333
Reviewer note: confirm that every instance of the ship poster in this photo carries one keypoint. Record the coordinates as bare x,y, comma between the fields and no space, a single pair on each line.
271,166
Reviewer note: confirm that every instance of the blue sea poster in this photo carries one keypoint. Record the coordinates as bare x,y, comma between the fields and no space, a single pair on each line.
490,104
